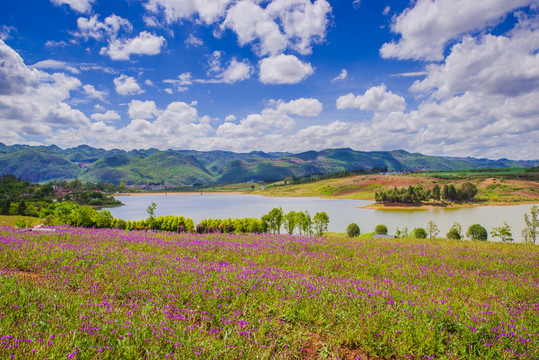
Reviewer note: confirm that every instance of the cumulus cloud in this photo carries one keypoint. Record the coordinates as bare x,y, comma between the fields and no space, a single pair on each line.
302,107
377,98
95,29
91,92
284,69
342,76
82,6
235,71
498,65
127,85
142,109
271,29
144,44
427,26
33,102
181,83
107,116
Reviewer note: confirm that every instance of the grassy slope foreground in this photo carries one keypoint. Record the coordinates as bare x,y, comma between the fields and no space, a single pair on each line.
107,294
492,190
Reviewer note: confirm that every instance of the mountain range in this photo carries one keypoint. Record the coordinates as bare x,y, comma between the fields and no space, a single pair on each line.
189,167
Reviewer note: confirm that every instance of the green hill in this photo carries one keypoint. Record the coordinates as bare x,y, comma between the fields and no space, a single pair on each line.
188,167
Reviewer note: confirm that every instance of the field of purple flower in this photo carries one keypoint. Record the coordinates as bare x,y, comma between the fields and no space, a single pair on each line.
109,294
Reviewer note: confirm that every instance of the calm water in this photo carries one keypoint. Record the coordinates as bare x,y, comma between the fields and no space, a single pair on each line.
340,212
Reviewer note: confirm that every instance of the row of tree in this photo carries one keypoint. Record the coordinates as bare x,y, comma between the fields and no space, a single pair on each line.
69,213
416,194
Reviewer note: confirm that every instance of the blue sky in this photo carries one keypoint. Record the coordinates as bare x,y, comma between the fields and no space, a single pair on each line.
441,77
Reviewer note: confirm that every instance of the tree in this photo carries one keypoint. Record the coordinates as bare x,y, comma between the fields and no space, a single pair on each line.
455,232
275,219
352,230
477,232
290,222
21,208
445,192
321,221
503,232
402,233
468,191
432,229
380,229
305,222
436,192
530,232
151,210
105,219
419,233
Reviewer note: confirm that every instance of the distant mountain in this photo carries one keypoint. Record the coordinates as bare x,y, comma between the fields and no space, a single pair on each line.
188,167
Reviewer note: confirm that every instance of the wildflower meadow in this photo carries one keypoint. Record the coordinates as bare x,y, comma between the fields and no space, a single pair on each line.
76,293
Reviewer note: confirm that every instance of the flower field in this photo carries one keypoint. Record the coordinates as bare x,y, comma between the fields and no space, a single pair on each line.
79,293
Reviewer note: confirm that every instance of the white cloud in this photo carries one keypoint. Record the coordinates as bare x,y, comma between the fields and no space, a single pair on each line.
271,27
144,44
302,107
142,109
56,65
52,43
169,91
428,25
284,69
377,98
192,40
33,102
110,115
82,6
127,85
91,92
5,32
207,10
181,83
230,118
498,65
148,82
387,9
109,29
234,72
342,76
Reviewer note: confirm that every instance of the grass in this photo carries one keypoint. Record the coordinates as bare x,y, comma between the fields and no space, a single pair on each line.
10,220
493,189
107,294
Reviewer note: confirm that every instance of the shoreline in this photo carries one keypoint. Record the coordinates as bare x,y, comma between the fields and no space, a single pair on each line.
164,193
372,206
450,206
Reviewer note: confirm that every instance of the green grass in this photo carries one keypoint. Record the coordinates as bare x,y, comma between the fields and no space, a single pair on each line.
11,220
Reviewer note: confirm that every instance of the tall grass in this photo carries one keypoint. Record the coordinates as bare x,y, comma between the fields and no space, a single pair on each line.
108,294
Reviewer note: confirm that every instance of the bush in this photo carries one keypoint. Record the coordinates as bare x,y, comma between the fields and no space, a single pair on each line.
352,230
477,232
120,224
453,234
380,229
419,233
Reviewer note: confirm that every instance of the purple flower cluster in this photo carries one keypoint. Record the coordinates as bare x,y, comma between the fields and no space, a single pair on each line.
78,293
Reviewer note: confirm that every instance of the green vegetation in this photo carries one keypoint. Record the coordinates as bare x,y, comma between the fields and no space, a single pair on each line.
465,193
477,232
187,168
352,230
530,232
419,233
380,229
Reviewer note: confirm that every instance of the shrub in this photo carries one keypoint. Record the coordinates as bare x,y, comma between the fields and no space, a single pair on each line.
477,232
453,234
120,224
352,230
419,233
380,229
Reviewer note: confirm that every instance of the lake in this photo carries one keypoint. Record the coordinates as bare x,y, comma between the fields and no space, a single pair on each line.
340,212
